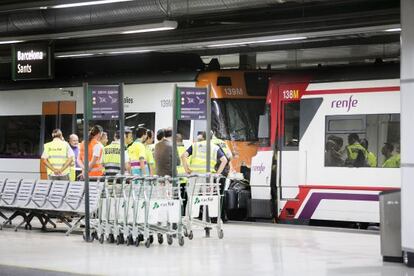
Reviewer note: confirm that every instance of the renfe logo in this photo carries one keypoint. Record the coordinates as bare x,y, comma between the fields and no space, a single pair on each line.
260,168
345,103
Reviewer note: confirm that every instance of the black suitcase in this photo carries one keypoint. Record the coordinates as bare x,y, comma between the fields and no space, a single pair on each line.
230,200
243,199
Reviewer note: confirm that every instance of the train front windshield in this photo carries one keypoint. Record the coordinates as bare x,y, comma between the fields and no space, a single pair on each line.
237,120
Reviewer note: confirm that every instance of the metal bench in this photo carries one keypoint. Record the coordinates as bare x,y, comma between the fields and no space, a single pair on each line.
23,199
9,195
2,182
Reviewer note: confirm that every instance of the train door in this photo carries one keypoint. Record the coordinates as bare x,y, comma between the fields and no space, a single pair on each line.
288,177
62,115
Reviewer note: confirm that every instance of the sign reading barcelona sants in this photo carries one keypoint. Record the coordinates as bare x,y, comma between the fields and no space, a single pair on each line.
191,103
32,61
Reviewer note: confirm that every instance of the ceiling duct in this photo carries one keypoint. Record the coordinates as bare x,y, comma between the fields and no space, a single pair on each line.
36,21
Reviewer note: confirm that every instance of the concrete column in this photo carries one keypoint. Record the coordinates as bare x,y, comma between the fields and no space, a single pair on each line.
247,61
407,128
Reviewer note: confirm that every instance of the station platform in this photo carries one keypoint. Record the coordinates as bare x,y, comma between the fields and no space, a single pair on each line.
247,249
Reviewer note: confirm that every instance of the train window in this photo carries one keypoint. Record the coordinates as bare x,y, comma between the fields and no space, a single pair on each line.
363,141
223,81
20,136
257,83
291,131
236,120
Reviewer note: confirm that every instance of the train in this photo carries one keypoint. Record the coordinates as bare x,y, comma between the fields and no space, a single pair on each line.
301,170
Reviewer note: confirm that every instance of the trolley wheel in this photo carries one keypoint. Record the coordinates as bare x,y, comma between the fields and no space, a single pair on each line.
190,235
169,239
148,243
160,238
207,229
111,238
185,232
141,237
122,238
151,239
28,226
129,240
84,236
118,240
220,234
101,238
181,240
137,241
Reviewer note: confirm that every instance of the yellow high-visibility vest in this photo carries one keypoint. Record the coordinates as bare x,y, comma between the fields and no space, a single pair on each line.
198,160
57,152
372,159
353,151
180,168
112,158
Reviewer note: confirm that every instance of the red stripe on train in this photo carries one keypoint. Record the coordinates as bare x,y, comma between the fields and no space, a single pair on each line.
354,90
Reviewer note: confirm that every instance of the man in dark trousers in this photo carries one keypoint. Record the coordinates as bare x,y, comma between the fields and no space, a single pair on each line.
163,154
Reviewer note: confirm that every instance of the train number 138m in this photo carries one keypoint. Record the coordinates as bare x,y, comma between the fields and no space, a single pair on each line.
291,94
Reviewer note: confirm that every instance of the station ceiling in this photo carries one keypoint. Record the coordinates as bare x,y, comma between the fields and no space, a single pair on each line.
283,33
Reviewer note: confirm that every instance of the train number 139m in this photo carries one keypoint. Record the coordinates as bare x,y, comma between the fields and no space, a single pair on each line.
291,94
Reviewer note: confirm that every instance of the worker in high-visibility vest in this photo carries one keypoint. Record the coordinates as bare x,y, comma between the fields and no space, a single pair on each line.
95,151
227,152
371,158
137,154
112,157
180,150
357,154
149,151
391,160
58,157
198,161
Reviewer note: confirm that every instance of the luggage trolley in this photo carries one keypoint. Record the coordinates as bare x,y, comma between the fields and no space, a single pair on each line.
109,222
164,213
203,194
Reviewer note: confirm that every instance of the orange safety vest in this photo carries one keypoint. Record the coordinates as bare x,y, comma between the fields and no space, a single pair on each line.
97,169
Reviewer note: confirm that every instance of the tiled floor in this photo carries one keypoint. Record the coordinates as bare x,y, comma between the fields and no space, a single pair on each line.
246,249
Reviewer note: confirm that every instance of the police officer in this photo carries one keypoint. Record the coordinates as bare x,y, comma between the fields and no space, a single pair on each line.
357,154
137,154
371,158
227,153
391,160
198,153
112,156
58,157
180,150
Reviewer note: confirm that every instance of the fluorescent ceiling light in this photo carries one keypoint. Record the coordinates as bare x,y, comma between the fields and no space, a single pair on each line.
163,26
129,52
393,30
10,41
74,55
87,3
257,41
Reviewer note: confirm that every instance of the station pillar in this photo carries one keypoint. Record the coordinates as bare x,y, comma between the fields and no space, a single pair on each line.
407,129
247,61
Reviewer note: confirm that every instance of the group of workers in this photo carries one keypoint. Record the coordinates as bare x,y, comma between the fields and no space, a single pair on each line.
357,154
65,160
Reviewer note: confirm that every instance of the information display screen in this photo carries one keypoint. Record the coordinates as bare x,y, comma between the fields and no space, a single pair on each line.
105,102
191,103
32,61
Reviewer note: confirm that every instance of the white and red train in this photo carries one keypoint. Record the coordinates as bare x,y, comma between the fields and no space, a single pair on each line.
305,117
